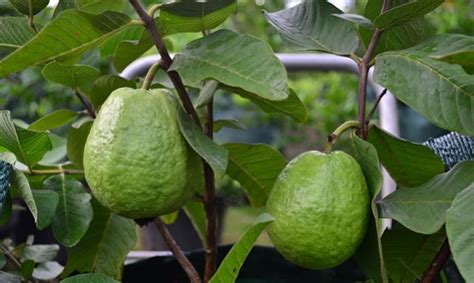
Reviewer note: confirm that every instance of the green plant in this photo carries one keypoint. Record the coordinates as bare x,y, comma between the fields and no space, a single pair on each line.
433,75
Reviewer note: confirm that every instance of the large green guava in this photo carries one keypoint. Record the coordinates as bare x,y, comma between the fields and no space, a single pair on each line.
135,159
320,203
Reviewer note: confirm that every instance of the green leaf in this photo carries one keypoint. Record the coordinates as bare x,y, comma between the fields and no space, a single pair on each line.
370,254
105,246
228,123
46,202
3,261
74,211
109,47
28,146
47,271
230,266
100,6
75,143
460,229
6,209
170,218
14,32
405,13
232,59
40,253
292,106
69,35
29,7
356,19
206,94
312,26
74,76
27,268
195,16
408,254
89,278
255,167
453,49
129,50
9,278
399,37
53,120
423,208
58,152
214,154
64,5
103,86
408,163
19,181
441,92
196,213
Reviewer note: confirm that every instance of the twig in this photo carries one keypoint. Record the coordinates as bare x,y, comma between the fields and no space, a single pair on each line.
151,75
86,103
377,102
175,249
10,256
210,204
364,66
57,171
437,265
166,60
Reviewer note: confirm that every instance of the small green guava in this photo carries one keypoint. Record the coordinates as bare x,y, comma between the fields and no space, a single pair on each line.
320,203
136,161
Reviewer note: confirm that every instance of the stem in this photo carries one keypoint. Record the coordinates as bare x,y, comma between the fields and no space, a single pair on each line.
86,103
332,138
364,66
151,75
210,204
372,112
31,16
57,171
166,59
437,264
177,252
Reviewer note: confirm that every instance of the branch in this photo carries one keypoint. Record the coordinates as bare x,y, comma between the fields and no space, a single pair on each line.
166,59
176,250
364,66
86,103
437,265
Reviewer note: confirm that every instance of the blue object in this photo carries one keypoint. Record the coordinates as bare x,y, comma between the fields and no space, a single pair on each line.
452,148
5,170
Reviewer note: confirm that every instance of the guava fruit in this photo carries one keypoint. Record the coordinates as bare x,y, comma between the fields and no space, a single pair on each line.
136,161
320,203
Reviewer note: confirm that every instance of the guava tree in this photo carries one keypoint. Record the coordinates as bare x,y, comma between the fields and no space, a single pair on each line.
109,178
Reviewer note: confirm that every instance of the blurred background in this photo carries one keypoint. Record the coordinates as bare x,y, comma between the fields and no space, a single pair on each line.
330,98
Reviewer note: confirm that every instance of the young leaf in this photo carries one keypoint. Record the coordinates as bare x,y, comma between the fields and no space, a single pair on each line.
312,26
78,32
230,266
423,208
196,213
47,271
100,6
408,254
195,16
19,181
454,49
46,202
356,19
215,155
441,92
170,218
75,143
206,94
14,32
232,59
105,246
408,163
89,278
28,146
460,229
103,86
9,277
53,120
370,254
400,37
74,211
74,76
256,167
40,253
228,123
405,13
29,7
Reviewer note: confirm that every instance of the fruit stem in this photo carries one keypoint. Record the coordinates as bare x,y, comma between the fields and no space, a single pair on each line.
334,136
191,272
150,75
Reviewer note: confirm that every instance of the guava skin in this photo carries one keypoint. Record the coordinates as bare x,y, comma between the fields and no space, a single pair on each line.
320,203
135,160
